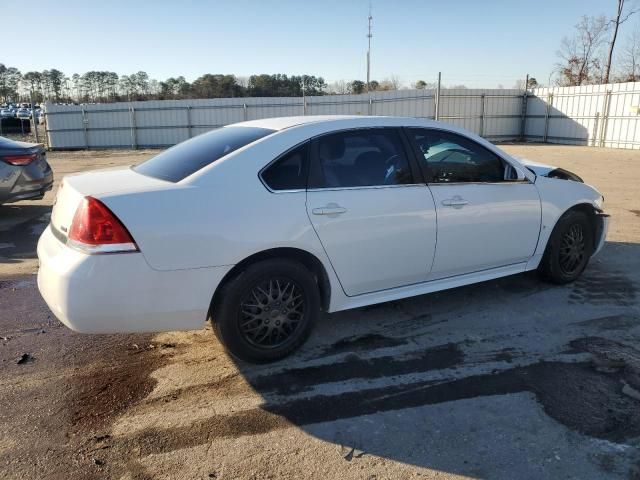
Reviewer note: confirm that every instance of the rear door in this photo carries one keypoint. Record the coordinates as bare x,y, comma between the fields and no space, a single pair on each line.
376,222
487,218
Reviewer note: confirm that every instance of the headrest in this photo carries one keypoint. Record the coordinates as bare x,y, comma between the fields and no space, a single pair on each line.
331,148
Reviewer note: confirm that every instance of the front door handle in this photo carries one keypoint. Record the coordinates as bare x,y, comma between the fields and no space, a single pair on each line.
329,209
455,202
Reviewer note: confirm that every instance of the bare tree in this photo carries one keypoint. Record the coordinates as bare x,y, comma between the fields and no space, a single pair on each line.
618,20
395,82
580,53
339,87
631,58
242,81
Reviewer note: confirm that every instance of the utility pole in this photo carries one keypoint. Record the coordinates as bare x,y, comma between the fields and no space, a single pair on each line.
369,35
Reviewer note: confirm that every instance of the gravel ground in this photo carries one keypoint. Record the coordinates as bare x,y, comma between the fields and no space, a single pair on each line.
511,378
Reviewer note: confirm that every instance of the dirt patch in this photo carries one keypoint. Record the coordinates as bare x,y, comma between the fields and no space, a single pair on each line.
579,395
99,396
228,386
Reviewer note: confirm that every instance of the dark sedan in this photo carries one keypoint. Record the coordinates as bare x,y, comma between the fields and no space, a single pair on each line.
24,171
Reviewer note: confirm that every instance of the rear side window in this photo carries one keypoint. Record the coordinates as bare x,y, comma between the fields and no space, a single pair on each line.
290,171
360,158
188,157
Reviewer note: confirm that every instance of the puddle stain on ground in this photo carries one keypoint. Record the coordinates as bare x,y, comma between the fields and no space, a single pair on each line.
360,343
301,379
100,396
612,322
577,395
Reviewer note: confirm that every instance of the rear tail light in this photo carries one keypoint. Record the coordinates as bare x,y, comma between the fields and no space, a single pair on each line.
95,229
19,160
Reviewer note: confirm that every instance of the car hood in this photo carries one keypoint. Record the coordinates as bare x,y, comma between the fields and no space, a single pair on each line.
538,168
549,171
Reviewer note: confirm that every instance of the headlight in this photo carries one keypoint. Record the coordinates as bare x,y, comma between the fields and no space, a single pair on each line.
599,202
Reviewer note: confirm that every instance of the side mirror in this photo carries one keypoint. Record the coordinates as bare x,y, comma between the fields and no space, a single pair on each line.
514,174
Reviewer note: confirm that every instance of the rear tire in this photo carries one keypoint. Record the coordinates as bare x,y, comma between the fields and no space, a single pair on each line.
569,248
267,311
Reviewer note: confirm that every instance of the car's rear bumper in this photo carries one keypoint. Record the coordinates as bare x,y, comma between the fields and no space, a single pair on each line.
25,182
31,192
121,292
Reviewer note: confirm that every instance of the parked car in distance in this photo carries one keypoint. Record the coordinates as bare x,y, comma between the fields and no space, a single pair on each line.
23,113
25,173
7,113
260,225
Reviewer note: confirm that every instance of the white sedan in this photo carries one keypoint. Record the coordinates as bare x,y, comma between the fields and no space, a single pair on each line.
260,225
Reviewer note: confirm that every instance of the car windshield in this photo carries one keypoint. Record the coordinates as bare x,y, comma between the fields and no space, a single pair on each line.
188,157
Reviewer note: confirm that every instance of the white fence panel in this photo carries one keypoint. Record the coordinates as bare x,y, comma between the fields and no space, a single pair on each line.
598,115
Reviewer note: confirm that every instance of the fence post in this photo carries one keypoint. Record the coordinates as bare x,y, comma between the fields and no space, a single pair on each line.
304,105
246,113
134,140
189,120
85,122
546,117
370,105
482,100
436,116
523,113
47,133
33,118
595,130
605,118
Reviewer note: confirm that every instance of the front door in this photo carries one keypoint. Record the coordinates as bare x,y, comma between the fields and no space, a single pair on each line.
376,223
487,218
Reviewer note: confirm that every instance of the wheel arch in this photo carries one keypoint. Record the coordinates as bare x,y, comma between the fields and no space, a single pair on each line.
308,260
591,211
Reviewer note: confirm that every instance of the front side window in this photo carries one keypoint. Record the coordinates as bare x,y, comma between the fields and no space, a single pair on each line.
360,158
452,158
289,172
180,161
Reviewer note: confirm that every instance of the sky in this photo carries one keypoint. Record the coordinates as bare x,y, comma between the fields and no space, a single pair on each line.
477,43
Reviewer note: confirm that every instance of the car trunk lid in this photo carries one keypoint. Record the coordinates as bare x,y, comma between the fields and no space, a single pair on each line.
74,188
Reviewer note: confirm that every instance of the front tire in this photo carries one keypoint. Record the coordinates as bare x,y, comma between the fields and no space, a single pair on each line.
569,248
267,311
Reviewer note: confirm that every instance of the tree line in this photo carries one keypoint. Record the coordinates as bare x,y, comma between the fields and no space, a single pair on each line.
588,56
104,86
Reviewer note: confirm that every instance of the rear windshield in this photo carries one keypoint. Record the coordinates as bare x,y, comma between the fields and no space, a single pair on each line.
188,157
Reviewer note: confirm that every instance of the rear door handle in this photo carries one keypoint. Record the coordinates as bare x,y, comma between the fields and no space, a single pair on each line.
455,202
329,209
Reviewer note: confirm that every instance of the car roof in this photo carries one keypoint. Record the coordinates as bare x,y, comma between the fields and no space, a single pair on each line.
281,123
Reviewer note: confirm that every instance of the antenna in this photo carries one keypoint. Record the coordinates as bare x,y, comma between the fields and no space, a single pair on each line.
369,35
